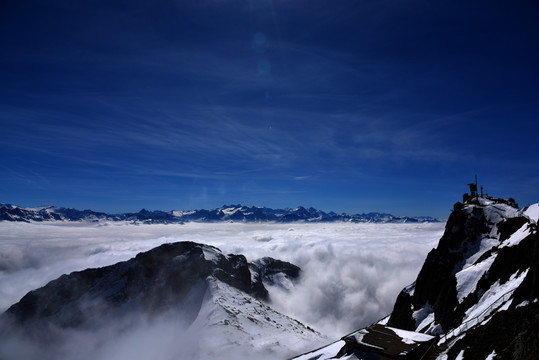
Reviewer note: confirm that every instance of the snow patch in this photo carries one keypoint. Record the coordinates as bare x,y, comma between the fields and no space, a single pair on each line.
494,295
435,329
532,212
486,243
180,213
360,334
423,317
230,211
236,323
211,254
498,212
517,236
324,353
467,279
384,321
411,337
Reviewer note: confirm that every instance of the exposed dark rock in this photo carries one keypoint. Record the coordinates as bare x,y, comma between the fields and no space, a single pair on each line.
436,283
468,225
512,334
266,270
508,226
152,282
488,244
401,316
529,288
269,267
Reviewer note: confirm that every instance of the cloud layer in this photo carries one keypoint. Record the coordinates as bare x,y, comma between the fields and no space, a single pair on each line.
351,272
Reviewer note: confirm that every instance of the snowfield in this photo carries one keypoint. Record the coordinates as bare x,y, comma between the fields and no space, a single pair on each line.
351,272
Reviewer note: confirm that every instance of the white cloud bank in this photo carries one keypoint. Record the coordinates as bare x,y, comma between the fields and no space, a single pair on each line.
351,272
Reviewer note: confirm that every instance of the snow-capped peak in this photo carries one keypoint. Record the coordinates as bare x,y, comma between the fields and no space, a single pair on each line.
482,278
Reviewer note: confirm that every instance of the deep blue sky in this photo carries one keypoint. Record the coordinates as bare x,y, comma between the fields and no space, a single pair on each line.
353,106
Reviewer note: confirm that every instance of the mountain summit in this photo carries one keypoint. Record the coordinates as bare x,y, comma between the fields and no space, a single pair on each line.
476,296
213,303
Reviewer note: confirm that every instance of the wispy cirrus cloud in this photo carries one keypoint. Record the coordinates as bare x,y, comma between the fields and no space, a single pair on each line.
261,89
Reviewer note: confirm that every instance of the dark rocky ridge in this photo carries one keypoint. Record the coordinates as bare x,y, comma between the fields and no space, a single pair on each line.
268,268
478,290
511,333
436,284
152,282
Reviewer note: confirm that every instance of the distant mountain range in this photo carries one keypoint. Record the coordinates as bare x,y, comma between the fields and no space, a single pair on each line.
194,286
228,213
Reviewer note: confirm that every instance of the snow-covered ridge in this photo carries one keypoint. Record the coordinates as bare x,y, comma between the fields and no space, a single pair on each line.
230,213
212,304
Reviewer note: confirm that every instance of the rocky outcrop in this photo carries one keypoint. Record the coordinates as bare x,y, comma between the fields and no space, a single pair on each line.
152,282
475,232
272,270
477,290
484,270
177,301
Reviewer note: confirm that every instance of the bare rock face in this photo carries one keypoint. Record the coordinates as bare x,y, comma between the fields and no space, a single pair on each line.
473,232
478,291
482,279
271,270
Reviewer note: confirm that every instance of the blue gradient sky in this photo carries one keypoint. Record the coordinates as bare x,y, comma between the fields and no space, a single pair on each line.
341,105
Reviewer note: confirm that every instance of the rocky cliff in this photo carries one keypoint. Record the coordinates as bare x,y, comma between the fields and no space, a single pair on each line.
477,291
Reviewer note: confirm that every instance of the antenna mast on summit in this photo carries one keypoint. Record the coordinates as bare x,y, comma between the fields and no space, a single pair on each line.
473,188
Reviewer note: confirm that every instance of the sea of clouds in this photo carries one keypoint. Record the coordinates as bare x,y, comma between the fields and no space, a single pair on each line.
351,274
